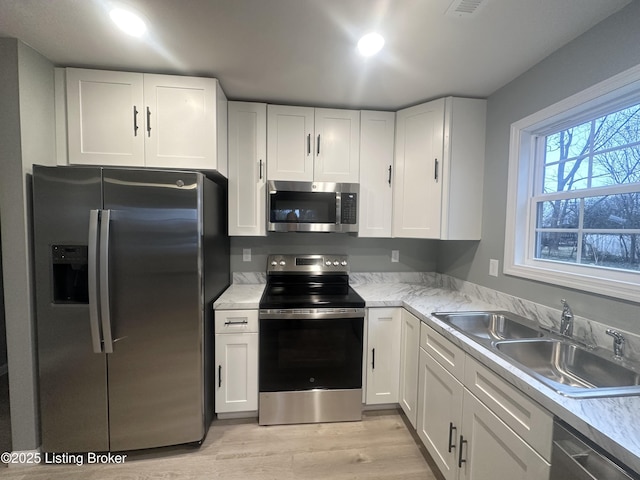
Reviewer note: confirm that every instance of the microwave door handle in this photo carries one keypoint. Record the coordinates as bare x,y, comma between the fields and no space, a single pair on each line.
94,312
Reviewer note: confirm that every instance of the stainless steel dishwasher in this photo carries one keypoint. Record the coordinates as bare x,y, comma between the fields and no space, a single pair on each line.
576,458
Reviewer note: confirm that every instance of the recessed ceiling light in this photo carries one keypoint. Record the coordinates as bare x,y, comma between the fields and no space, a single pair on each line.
370,44
128,22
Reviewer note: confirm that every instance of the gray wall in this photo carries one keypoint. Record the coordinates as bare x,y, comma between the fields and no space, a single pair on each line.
27,136
365,254
607,49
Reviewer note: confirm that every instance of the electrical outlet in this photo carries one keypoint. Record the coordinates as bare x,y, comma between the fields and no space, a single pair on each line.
395,256
246,254
493,267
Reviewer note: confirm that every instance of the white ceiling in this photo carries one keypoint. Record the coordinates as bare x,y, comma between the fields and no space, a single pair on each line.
303,51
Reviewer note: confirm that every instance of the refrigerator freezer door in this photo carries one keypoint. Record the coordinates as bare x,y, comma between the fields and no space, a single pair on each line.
156,381
72,378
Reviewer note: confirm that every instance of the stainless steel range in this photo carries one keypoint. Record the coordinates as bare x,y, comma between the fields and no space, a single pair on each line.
311,330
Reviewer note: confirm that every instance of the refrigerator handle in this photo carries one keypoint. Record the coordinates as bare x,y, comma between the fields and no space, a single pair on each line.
104,281
94,314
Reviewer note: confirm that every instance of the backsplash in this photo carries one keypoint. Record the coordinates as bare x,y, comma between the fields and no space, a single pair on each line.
586,331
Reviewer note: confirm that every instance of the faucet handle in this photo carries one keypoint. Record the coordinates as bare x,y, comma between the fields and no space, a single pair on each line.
618,341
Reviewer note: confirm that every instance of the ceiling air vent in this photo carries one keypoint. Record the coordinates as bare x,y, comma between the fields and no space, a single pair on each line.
464,8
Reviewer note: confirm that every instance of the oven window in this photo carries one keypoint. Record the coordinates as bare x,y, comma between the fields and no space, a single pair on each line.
303,207
309,354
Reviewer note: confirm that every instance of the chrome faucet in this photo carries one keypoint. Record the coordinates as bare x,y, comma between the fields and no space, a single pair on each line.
566,320
618,342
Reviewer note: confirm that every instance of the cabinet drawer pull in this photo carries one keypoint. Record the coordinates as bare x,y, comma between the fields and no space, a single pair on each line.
373,359
451,430
389,175
260,169
236,322
219,376
436,171
460,459
318,153
308,144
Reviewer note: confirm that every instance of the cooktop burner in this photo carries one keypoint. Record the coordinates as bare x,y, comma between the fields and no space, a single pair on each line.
309,281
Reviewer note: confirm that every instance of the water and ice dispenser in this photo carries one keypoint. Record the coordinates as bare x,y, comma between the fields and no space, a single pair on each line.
70,273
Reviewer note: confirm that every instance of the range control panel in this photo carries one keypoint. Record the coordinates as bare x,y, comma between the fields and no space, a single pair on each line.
316,264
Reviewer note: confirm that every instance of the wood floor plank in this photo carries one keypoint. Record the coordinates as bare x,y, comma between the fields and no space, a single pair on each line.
379,447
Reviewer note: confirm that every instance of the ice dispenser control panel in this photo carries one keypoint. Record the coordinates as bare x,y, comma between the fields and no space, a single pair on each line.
70,273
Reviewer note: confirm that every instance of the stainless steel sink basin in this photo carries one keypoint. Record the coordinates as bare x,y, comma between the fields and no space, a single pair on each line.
492,326
571,369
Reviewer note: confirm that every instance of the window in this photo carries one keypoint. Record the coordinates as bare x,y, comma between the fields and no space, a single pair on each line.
573,213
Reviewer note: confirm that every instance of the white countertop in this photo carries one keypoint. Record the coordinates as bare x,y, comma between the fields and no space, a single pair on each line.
610,422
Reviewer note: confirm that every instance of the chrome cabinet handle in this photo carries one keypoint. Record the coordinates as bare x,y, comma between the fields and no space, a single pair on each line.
460,459
94,313
148,122
452,443
104,281
240,322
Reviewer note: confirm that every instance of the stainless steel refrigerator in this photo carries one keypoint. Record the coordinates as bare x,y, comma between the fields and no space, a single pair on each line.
127,265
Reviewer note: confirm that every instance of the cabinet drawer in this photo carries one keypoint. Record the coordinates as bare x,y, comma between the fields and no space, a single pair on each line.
524,416
236,321
442,350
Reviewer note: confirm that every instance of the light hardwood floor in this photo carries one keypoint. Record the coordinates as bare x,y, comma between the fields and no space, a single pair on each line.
379,447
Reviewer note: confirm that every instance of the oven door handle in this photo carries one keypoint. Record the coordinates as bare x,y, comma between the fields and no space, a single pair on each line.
310,313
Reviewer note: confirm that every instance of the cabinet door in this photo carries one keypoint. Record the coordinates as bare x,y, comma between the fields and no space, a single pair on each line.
180,121
383,355
377,134
105,117
290,143
439,414
409,353
247,168
418,180
236,373
337,145
490,449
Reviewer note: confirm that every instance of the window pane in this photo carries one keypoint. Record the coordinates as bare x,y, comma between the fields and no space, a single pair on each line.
612,212
565,176
570,143
612,250
618,129
559,246
617,167
558,214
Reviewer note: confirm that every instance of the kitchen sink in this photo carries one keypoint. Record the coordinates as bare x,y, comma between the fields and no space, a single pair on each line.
571,369
493,326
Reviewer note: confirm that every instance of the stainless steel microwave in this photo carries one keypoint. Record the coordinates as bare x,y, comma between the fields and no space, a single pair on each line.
312,207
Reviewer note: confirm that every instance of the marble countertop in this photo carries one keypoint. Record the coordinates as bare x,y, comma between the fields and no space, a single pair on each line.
610,422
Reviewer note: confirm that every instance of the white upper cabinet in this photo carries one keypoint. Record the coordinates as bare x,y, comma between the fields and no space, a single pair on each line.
307,144
105,123
439,167
377,133
134,119
418,182
247,168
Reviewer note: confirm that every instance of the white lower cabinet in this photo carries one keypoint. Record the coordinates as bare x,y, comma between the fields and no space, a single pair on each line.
471,440
409,353
236,361
382,356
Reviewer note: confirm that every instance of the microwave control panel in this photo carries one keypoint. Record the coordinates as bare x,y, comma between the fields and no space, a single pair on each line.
349,208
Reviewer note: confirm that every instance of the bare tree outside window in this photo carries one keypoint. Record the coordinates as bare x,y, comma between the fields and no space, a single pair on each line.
588,209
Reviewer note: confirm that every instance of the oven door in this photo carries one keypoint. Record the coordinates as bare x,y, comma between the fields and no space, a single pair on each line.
310,353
